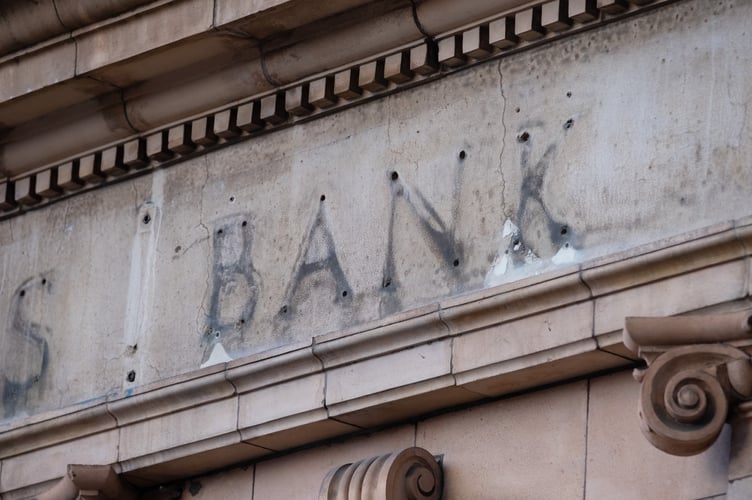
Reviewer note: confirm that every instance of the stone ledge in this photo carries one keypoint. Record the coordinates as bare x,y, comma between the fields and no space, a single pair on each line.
484,344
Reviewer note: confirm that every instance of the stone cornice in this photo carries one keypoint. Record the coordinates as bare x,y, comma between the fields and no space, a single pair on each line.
498,341
156,126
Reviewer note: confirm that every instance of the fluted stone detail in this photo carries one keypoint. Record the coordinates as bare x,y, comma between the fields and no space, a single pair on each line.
694,376
409,474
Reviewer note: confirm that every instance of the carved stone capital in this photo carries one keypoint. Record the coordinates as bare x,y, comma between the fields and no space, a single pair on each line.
89,482
409,474
698,370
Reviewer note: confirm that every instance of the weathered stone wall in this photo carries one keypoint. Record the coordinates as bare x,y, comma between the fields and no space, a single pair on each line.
590,145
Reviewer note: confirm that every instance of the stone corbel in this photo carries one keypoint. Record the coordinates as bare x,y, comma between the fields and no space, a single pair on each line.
409,474
89,482
698,378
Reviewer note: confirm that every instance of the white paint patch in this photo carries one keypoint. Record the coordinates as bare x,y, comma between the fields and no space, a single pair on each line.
218,355
509,228
565,255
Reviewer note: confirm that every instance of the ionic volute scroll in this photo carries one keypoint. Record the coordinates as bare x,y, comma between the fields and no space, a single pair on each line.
409,474
698,371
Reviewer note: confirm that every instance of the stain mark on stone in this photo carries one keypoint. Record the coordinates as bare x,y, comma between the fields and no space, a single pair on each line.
317,268
235,284
24,360
539,230
438,235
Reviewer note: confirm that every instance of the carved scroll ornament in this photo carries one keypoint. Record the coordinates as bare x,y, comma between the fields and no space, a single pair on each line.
409,474
698,370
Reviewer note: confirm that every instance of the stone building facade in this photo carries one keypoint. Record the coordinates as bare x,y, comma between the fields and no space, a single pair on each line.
375,249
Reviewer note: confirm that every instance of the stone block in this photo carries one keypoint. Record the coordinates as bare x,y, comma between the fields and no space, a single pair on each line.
248,117
321,92
371,76
202,131
89,169
397,67
613,6
501,33
281,400
367,377
68,176
622,464
712,285
424,59
51,462
178,429
134,154
346,84
450,51
7,197
475,42
272,109
111,161
297,102
179,140
531,446
25,192
46,184
156,146
225,124
527,24
555,15
300,474
521,337
583,11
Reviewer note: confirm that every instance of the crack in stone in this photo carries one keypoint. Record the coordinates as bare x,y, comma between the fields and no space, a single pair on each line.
503,143
202,310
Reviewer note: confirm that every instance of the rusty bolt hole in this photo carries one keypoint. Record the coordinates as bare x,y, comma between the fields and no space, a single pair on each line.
395,176
147,219
131,377
523,137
